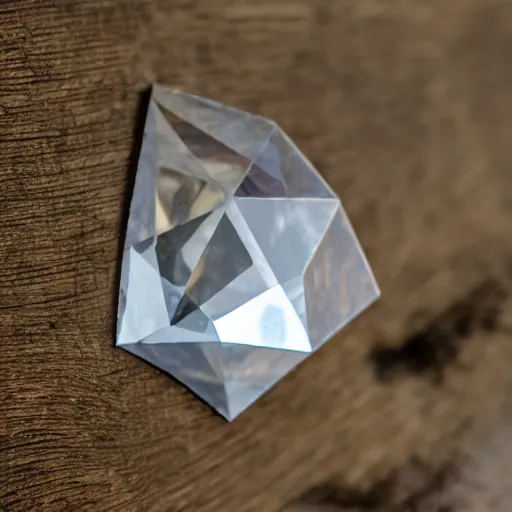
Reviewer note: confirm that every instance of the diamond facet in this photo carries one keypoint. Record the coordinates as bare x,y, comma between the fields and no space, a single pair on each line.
239,260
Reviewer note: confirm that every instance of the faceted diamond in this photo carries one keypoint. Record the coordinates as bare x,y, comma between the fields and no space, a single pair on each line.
239,260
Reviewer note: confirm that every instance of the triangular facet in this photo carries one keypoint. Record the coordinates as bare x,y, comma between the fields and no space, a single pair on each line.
268,320
246,286
170,151
281,170
181,198
169,248
224,165
245,133
178,252
194,364
194,328
251,244
141,221
251,371
142,305
223,260
196,321
338,282
185,308
294,290
147,250
287,230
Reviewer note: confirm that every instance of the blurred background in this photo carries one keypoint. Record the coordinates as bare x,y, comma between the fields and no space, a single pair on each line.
405,108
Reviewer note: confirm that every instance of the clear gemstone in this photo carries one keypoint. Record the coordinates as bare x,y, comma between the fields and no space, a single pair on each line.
239,260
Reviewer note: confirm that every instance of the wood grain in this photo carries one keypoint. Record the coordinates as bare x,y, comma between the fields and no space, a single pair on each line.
403,105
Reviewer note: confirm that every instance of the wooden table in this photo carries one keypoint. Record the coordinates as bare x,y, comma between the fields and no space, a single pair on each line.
405,107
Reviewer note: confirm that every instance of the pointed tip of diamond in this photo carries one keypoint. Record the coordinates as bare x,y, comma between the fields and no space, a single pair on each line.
239,259
159,91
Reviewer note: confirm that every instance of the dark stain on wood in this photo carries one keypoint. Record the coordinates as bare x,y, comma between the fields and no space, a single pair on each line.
432,349
415,487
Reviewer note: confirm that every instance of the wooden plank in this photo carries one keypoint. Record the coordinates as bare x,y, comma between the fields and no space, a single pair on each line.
405,108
